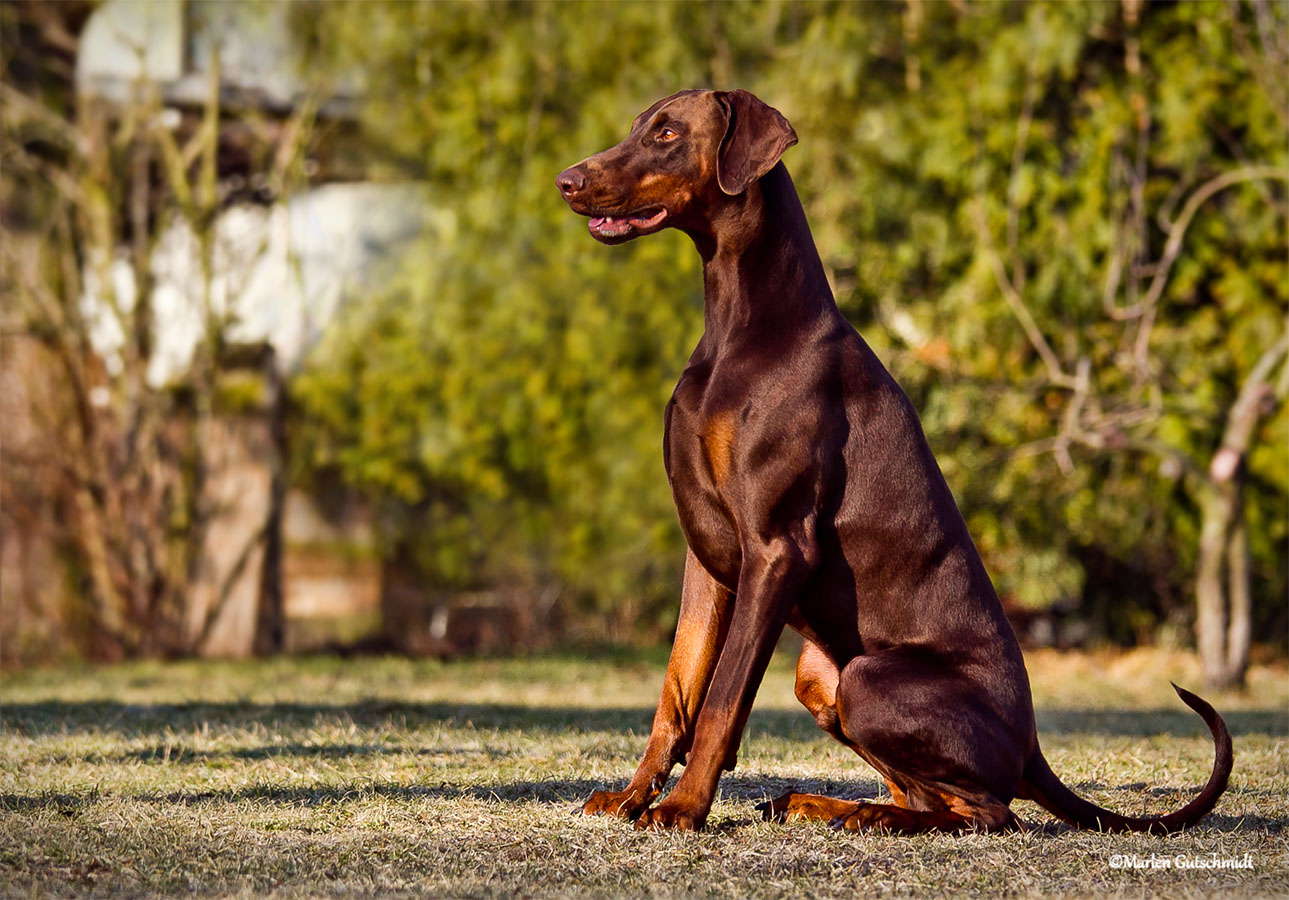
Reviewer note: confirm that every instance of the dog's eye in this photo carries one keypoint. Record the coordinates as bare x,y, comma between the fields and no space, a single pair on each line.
667,135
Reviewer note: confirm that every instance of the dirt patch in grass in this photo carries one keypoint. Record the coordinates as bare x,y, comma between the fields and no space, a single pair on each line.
391,777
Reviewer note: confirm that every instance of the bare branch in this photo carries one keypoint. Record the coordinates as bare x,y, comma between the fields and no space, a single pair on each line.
1113,275
175,167
1141,347
1013,187
1173,247
21,109
1281,390
1055,372
1249,407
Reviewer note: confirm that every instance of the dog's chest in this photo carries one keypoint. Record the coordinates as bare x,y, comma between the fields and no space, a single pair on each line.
699,449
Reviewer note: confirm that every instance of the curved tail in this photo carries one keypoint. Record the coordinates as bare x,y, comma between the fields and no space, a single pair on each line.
1042,786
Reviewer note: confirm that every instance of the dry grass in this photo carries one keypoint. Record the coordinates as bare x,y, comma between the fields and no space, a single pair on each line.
376,777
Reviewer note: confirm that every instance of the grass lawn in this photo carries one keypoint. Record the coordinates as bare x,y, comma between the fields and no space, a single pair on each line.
384,776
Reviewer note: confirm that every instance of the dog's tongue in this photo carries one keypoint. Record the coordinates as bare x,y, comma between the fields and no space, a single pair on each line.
609,225
616,226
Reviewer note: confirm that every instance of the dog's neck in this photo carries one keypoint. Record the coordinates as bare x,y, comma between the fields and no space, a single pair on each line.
761,270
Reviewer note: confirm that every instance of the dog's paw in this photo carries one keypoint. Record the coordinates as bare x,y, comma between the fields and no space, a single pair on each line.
626,804
670,817
776,810
793,805
863,818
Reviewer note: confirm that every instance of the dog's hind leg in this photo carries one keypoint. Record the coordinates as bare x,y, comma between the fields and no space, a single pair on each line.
959,814
955,748
912,720
816,688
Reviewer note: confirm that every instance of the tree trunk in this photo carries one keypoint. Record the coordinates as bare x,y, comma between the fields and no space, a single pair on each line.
270,621
1223,624
1210,588
107,619
1223,597
1239,631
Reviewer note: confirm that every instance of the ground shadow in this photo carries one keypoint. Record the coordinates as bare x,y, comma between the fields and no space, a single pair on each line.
178,753
1178,722
135,720
566,795
138,720
572,792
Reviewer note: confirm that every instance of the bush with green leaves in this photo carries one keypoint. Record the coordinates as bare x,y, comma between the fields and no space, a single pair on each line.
994,189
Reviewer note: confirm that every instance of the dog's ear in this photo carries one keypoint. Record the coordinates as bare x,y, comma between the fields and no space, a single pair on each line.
755,137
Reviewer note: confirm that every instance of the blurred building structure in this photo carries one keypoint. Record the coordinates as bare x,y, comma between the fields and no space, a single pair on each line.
284,267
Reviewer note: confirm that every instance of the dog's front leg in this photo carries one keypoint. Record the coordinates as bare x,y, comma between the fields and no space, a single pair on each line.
700,631
768,586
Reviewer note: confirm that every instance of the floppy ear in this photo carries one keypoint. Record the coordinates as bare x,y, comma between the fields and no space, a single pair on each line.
755,137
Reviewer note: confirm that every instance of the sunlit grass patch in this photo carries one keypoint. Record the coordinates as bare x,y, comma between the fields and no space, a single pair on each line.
388,776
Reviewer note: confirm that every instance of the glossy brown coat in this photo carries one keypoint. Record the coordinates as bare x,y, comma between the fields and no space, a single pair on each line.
809,498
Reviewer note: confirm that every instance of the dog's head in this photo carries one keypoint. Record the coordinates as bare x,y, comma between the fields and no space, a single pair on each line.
683,157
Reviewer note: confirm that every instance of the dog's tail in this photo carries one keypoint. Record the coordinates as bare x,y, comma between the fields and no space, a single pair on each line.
1040,784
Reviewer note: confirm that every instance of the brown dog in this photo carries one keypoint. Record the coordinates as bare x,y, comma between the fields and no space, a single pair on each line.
809,498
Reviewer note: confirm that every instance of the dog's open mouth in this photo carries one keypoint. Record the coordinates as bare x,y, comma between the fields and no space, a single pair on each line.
614,228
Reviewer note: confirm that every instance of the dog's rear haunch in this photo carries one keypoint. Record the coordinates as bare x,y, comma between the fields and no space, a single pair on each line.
809,499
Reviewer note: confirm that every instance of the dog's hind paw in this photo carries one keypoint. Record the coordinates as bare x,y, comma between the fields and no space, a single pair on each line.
806,806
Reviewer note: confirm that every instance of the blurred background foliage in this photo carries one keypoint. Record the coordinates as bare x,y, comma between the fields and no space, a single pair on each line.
1061,225
502,401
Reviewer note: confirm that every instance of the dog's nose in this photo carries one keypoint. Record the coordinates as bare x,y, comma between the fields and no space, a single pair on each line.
570,181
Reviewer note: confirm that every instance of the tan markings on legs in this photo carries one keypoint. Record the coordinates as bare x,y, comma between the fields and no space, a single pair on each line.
895,819
773,570
816,687
807,806
898,797
700,631
964,815
987,815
